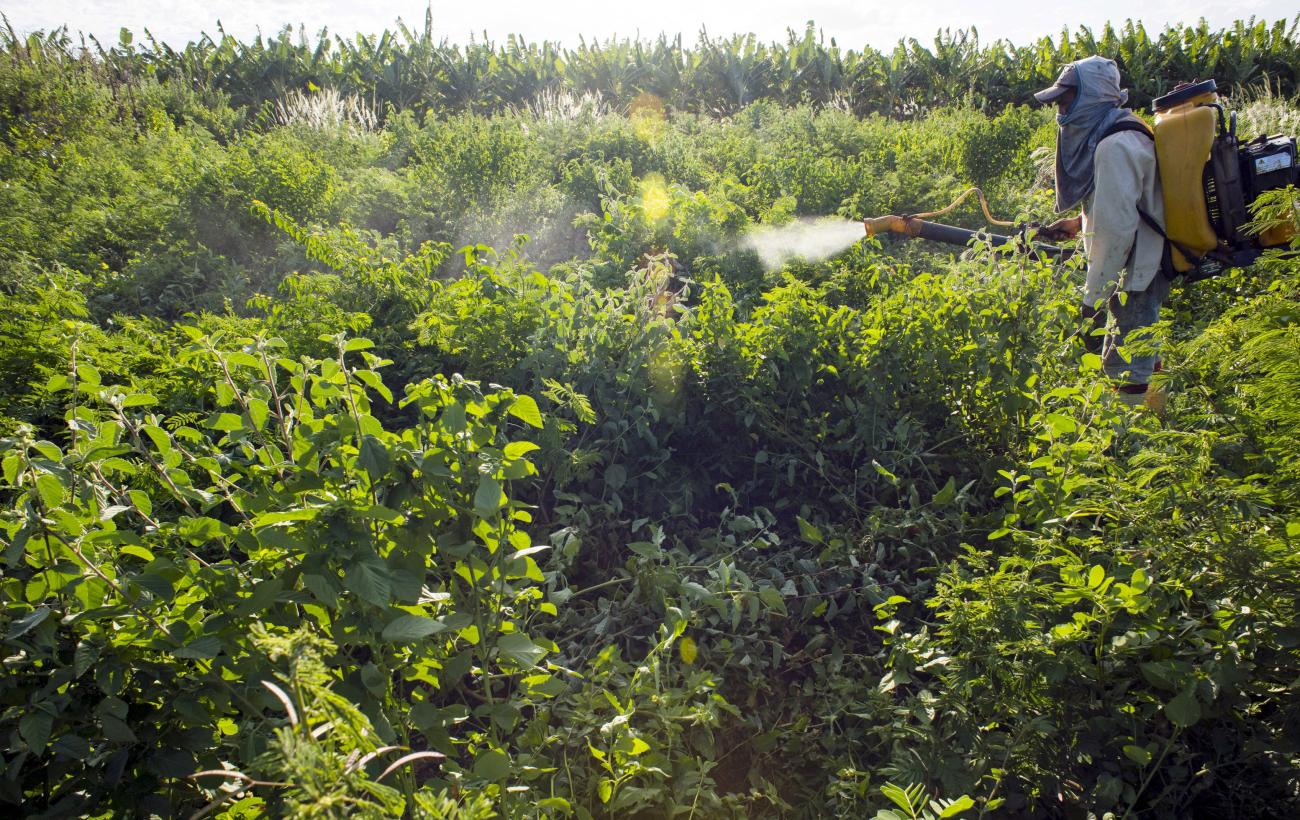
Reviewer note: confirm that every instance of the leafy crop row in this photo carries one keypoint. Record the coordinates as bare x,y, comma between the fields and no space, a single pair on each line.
411,68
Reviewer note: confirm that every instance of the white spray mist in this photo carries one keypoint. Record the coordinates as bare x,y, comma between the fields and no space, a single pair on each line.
810,239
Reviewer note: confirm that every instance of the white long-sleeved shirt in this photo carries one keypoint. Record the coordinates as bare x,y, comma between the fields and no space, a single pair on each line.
1123,251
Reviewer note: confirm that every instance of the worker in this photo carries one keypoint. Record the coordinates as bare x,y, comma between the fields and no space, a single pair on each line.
1108,167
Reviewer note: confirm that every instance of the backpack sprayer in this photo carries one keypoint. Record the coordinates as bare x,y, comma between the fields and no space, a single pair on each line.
1208,177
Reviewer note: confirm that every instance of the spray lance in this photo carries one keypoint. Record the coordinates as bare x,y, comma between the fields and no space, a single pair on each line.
918,226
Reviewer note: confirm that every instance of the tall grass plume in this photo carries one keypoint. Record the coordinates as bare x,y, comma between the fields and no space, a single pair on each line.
325,109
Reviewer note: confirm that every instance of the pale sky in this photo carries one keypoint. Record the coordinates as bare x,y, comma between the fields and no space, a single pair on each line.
853,23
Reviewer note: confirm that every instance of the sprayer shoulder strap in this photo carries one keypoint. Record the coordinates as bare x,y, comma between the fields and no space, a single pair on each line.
1129,124
1134,124
1167,263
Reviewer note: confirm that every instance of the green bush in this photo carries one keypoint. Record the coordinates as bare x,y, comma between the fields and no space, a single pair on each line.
118,544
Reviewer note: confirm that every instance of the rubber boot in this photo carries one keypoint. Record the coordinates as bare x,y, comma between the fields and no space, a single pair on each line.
1132,395
1155,399
1157,396
1132,399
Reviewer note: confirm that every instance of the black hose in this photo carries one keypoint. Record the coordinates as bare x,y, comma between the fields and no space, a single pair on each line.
961,236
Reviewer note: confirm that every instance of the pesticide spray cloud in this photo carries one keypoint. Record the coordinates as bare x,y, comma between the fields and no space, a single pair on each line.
809,239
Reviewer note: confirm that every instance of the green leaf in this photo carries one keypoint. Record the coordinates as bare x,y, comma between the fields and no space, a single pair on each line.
1095,577
518,449
615,476
85,656
28,622
533,550
112,511
638,747
225,394
1061,425
73,746
264,593
116,707
1183,711
9,467
1168,674
241,359
258,412
453,418
491,765
646,549
424,715
161,441
771,597
957,806
378,512
34,727
408,628
520,649
900,797
525,409
489,498
209,646
1138,754
375,383
48,449
374,680
946,494
17,547
271,519
321,589
110,676
50,490
141,501
557,803
533,572
139,400
374,458
226,422
357,344
408,580
137,551
116,730
808,532
156,585
370,581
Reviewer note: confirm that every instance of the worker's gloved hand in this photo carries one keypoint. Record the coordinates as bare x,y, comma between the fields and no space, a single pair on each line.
1093,321
1067,228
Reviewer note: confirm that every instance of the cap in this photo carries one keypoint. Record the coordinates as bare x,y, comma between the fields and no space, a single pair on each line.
1066,82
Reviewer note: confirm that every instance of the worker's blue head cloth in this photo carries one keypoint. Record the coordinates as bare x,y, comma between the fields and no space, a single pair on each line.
1081,127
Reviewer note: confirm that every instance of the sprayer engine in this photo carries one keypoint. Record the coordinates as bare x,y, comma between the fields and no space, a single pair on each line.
1210,180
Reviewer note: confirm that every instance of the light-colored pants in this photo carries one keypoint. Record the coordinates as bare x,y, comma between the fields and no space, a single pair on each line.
1140,309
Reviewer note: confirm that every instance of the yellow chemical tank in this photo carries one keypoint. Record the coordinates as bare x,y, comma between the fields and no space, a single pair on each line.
1185,130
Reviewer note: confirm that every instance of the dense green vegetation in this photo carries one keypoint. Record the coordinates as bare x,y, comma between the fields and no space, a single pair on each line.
414,69
420,441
